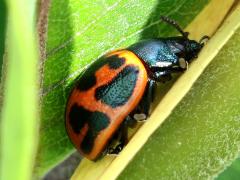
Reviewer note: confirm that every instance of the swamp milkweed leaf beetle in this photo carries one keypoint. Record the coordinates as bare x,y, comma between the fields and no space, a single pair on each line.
117,90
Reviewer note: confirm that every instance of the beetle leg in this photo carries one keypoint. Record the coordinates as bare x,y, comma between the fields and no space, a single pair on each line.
123,133
130,121
149,96
162,76
143,109
165,75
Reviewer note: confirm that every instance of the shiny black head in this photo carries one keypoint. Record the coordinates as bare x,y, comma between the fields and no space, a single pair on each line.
190,49
162,56
183,46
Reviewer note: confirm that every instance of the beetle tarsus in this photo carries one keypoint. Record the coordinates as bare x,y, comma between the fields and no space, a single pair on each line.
203,40
116,150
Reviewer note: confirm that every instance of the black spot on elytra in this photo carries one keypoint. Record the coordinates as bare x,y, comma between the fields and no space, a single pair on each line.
115,62
120,89
87,143
97,121
86,82
88,79
78,117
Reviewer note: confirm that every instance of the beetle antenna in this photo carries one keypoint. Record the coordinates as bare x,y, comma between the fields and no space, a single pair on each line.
175,24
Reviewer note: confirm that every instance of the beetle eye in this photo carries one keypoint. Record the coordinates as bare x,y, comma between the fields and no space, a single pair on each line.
183,63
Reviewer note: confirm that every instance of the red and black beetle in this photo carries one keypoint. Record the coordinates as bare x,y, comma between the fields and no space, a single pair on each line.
117,87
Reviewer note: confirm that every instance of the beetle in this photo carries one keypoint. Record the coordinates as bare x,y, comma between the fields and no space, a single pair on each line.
117,90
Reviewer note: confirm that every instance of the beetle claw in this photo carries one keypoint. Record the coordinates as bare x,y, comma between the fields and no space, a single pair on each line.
116,150
204,39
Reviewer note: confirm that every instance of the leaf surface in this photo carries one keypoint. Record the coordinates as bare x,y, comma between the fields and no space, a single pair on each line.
201,136
78,33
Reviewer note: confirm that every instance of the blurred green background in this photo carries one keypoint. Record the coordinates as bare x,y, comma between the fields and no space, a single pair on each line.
3,16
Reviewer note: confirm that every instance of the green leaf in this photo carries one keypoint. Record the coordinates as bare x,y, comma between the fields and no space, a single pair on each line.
2,32
232,172
78,33
19,116
202,134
